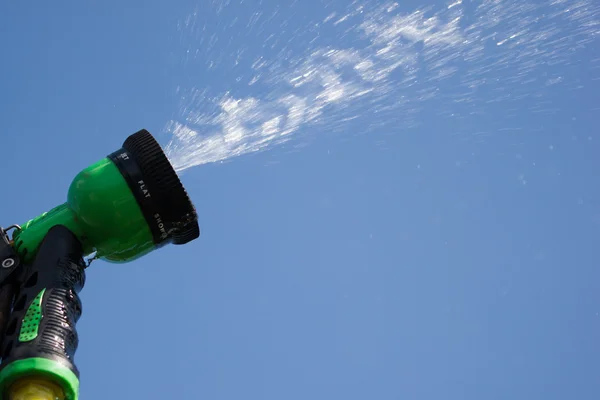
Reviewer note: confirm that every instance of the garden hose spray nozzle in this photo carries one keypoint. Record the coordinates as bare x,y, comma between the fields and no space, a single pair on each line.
119,208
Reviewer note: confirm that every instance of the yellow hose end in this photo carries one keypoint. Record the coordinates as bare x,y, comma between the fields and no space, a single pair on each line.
35,389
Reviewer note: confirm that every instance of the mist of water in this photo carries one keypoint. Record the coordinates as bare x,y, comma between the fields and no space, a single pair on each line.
470,54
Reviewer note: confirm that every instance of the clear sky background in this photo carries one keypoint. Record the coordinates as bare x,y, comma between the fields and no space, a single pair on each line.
423,263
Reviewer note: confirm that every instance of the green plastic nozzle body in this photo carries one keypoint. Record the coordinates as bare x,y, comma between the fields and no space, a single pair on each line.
101,211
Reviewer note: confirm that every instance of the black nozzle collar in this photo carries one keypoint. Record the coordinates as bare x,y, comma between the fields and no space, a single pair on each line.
163,200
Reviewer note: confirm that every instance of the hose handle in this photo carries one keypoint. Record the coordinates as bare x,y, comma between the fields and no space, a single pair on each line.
41,338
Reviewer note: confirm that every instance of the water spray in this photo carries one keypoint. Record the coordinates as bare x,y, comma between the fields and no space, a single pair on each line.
118,209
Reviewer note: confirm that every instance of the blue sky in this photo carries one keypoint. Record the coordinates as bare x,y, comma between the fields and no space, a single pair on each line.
419,262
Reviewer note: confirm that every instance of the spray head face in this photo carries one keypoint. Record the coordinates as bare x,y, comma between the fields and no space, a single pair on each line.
167,209
121,207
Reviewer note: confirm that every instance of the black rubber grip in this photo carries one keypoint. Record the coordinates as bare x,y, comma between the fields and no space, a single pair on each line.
47,305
